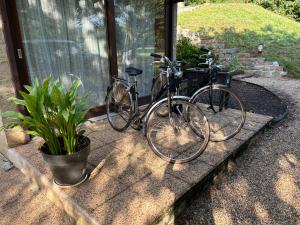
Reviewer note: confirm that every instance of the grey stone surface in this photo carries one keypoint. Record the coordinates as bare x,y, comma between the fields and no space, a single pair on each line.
216,152
5,164
263,186
21,205
153,194
128,182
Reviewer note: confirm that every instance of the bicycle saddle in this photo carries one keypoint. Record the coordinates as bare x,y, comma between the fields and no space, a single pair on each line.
133,71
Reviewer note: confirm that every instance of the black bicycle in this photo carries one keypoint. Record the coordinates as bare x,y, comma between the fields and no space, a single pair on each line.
176,129
223,108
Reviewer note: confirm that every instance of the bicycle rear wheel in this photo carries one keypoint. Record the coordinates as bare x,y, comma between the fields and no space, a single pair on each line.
173,138
119,106
224,110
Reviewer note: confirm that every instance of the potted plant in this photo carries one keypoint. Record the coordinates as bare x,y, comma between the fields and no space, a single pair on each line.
56,114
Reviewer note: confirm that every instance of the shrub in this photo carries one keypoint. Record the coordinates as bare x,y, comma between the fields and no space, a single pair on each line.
290,8
194,2
185,51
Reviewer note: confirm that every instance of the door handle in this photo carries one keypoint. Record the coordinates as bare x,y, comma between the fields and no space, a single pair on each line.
19,52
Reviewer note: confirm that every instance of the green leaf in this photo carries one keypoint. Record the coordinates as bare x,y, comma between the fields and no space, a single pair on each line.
56,95
65,115
17,101
28,88
31,132
74,88
12,114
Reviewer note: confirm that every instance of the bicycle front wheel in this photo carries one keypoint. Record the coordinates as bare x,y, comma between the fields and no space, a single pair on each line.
224,110
119,106
182,135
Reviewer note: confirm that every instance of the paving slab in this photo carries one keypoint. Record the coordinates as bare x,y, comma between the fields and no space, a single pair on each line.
128,183
21,204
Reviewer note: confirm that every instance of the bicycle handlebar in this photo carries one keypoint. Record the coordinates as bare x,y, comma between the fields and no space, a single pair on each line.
162,57
177,73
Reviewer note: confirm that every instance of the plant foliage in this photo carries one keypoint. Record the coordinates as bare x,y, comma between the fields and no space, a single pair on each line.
194,2
54,114
289,8
185,51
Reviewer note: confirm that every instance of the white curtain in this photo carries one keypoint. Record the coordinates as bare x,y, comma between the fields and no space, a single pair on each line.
139,31
67,39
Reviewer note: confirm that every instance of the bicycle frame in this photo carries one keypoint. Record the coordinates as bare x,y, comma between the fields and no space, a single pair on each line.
133,92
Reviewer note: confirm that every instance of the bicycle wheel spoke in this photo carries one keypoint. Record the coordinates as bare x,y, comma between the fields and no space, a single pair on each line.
171,137
118,107
228,115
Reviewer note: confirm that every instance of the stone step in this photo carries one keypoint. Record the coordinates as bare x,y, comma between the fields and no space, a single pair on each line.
265,73
252,59
252,72
244,55
228,51
219,46
268,63
263,68
283,73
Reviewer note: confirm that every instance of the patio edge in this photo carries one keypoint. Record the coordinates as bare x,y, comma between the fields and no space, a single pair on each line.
184,201
40,181
82,217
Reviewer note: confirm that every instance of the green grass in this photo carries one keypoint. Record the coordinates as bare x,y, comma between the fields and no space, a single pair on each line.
245,26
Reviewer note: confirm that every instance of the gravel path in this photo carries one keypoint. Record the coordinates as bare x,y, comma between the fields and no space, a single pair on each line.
20,205
264,185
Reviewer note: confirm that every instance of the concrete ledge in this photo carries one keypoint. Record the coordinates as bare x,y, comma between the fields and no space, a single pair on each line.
182,203
128,184
53,193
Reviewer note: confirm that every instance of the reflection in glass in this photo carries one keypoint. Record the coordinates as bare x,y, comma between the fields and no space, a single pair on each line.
67,38
140,30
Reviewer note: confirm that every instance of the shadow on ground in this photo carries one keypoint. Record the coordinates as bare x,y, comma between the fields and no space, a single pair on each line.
264,187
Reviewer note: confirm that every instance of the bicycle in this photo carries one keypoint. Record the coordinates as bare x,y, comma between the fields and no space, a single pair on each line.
178,136
224,108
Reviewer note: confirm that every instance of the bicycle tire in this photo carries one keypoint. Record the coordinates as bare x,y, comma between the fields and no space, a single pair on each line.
179,157
238,113
124,96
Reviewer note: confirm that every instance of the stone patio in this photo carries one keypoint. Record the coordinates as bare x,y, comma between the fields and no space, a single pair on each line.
128,183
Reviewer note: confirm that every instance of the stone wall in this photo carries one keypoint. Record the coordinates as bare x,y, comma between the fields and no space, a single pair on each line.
16,135
6,85
250,65
226,55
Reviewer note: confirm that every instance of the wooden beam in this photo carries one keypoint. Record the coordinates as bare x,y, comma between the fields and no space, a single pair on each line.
169,28
14,47
111,37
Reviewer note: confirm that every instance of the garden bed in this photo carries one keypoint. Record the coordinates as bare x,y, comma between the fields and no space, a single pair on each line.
258,99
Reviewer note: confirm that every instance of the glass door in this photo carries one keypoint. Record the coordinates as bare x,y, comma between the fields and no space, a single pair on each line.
67,39
140,30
